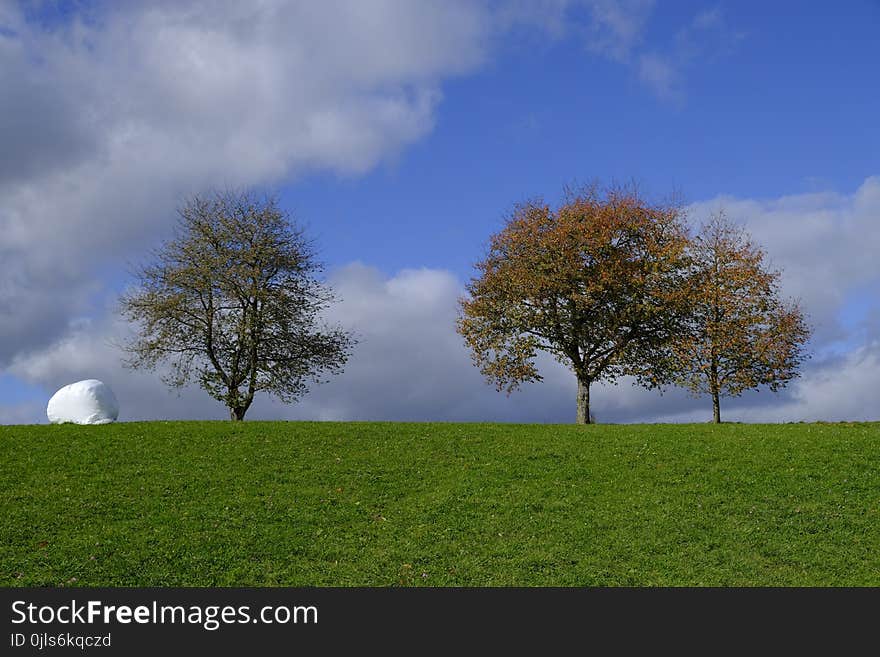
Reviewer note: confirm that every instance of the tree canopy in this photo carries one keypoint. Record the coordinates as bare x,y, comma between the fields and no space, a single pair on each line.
234,301
597,283
741,334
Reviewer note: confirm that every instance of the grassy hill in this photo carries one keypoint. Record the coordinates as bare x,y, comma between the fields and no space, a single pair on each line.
264,503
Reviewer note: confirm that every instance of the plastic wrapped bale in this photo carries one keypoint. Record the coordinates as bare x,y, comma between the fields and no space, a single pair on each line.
83,402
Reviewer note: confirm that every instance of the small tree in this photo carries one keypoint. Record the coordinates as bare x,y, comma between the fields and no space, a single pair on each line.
742,335
596,283
233,301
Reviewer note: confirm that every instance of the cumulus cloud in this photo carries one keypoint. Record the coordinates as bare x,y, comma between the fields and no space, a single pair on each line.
111,118
411,365
89,349
825,244
838,389
117,112
109,121
843,389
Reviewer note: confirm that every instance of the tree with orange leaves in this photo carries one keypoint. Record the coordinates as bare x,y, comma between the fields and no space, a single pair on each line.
597,283
742,335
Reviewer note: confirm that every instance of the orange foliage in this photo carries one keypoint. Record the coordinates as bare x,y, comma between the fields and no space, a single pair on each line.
597,283
741,335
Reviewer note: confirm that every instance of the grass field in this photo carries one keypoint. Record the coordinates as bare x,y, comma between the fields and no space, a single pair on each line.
299,504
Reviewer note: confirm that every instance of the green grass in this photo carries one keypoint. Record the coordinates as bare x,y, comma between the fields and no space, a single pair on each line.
300,504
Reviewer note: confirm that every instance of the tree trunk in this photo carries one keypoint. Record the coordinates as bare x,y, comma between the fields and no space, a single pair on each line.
583,401
237,414
716,407
714,387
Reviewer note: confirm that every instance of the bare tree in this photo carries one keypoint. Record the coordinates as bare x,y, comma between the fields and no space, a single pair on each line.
233,301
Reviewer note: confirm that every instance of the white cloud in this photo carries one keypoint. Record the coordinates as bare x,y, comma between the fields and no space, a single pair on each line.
704,38
112,118
611,28
617,27
661,76
825,244
845,389
88,350
108,123
411,365
842,389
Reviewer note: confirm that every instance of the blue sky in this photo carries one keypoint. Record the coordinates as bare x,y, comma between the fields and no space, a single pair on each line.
786,102
402,138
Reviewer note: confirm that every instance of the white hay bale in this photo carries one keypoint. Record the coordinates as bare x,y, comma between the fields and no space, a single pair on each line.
83,402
